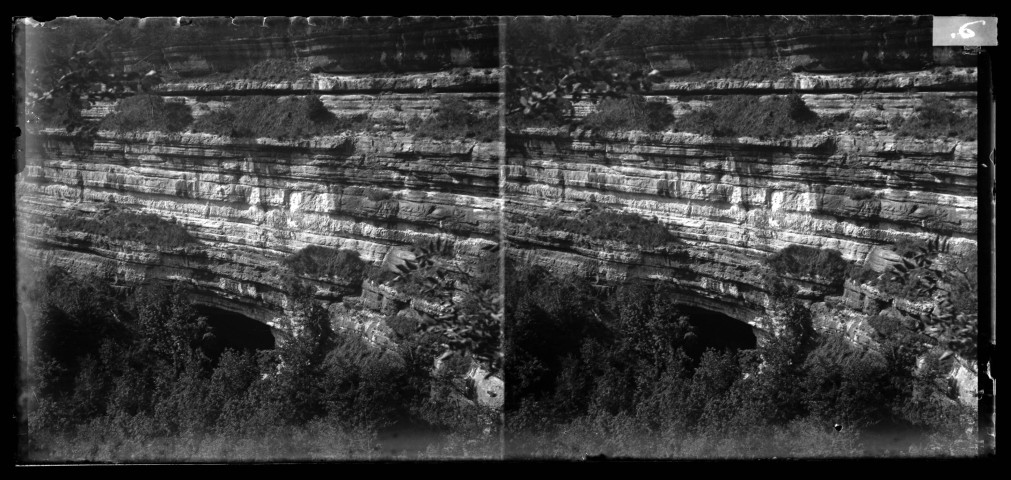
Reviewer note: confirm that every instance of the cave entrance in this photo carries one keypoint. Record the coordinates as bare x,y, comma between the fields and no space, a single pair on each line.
236,331
720,331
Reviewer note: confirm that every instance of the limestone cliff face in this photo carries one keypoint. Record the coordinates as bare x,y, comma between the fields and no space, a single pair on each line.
736,201
374,189
898,47
733,201
356,46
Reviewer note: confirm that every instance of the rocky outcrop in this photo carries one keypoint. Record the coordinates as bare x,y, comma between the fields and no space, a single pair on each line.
734,201
346,46
251,202
897,47
375,188
730,202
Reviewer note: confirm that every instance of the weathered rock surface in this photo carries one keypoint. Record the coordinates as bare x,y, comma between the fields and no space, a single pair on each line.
376,188
736,200
899,47
403,45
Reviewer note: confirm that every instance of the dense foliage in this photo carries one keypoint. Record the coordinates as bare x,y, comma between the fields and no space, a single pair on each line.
937,117
123,224
552,63
467,314
926,273
603,223
142,375
627,373
454,119
630,113
70,69
147,112
284,118
752,116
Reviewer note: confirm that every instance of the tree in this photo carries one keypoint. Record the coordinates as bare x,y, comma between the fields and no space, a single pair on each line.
928,271
467,313
69,68
546,79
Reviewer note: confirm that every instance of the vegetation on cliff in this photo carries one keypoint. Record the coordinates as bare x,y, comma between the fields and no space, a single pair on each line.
143,377
147,112
751,116
802,261
603,223
630,374
937,117
454,119
630,113
949,282
468,301
283,118
125,225
316,261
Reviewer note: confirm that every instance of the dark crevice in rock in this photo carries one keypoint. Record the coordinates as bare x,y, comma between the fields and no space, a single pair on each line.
718,330
235,331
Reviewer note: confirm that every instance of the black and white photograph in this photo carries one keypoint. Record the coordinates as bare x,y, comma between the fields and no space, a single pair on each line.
260,239
739,237
502,238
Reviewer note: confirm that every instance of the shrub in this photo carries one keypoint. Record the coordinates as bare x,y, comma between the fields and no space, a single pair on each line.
936,117
799,260
121,224
607,224
326,262
632,112
749,115
287,117
454,119
146,113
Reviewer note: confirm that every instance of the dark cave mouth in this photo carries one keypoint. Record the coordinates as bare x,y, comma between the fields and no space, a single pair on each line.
235,331
718,330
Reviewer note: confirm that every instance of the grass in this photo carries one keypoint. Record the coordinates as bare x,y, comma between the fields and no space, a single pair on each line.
751,116
620,436
936,117
630,113
115,440
318,261
146,113
607,224
287,117
454,119
121,224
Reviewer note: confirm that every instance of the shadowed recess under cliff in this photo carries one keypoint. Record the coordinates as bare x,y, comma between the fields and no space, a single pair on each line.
236,331
719,331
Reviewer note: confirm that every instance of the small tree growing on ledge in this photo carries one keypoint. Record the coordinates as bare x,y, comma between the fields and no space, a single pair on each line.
471,319
549,85
71,69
